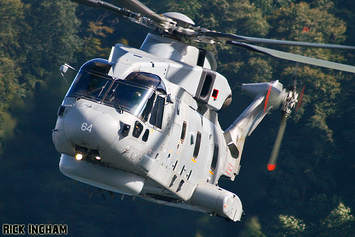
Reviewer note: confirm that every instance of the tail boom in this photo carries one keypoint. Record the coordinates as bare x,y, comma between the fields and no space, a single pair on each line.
266,96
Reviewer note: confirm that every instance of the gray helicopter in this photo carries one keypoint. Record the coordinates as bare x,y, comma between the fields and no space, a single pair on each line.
144,122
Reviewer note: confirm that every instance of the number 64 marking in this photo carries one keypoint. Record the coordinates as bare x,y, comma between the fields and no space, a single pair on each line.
86,127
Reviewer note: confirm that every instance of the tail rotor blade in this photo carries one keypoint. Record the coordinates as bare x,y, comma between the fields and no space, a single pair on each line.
275,150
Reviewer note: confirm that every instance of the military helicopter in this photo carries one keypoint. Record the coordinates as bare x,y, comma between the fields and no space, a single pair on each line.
144,122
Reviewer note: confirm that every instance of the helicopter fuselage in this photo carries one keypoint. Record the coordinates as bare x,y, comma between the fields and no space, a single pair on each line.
145,123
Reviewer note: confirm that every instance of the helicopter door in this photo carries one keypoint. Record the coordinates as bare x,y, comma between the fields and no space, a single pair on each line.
176,132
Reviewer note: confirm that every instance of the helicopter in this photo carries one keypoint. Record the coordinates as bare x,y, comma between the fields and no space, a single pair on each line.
144,122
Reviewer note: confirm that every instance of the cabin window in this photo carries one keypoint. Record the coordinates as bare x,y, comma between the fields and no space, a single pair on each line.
197,145
138,128
125,129
183,132
207,85
156,117
215,157
201,58
145,135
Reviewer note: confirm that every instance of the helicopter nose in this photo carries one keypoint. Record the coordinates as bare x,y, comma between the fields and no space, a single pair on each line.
90,128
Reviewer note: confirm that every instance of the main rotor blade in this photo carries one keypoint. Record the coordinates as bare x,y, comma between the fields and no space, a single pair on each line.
137,6
275,150
295,57
232,37
105,5
96,3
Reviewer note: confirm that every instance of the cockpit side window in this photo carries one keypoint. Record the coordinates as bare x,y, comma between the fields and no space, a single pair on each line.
148,108
154,108
156,118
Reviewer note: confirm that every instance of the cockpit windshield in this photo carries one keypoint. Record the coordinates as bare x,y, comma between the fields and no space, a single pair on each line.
90,85
130,95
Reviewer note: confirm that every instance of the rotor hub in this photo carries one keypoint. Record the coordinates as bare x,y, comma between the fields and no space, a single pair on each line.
289,103
181,19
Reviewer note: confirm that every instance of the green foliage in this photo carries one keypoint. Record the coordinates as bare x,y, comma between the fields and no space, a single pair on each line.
50,40
291,226
11,14
253,228
233,17
92,43
338,221
36,37
9,73
11,18
7,125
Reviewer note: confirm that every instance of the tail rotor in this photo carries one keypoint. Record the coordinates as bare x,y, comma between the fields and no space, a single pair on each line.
288,104
291,101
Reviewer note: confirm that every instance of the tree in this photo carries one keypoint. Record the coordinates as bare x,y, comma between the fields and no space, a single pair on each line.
51,39
339,222
11,18
36,37
310,169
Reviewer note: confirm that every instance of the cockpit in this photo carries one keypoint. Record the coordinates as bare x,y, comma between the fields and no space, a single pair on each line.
137,94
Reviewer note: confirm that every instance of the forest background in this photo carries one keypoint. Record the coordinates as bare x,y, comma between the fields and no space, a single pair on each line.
310,194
